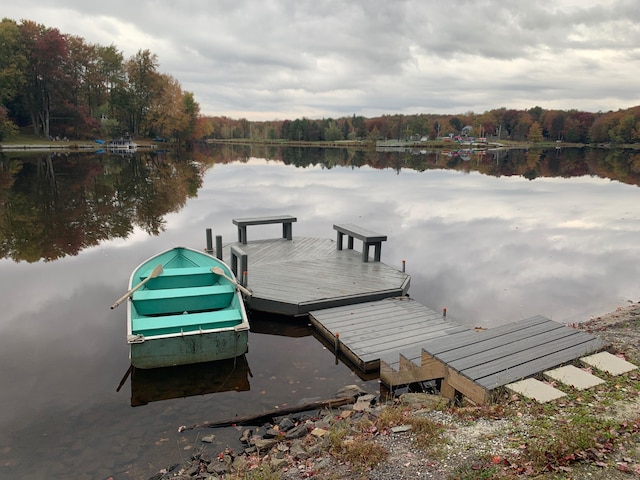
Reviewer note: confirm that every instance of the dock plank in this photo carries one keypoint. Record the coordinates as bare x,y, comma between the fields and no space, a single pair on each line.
472,337
383,329
552,352
487,342
539,365
507,350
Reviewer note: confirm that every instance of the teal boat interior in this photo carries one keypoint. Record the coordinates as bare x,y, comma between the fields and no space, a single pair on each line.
186,297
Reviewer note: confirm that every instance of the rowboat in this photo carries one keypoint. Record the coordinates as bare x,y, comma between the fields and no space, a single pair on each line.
185,307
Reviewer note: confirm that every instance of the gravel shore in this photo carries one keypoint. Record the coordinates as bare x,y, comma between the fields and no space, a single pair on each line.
467,442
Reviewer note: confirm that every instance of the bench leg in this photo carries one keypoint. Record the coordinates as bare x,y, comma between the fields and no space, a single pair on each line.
287,230
242,235
350,243
378,252
339,240
365,252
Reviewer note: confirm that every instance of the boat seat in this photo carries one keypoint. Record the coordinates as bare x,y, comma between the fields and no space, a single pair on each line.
177,300
181,278
149,326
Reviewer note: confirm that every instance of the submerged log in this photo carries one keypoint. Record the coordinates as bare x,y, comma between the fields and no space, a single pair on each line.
269,415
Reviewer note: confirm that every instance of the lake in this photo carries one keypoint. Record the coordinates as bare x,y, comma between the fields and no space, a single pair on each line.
493,238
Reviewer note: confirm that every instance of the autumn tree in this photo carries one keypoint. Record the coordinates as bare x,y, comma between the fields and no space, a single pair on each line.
332,132
165,115
12,61
12,65
191,110
143,84
535,133
46,73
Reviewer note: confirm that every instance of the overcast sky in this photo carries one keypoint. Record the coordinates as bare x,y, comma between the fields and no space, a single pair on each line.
278,59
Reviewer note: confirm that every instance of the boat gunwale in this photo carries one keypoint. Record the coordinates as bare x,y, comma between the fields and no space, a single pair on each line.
241,327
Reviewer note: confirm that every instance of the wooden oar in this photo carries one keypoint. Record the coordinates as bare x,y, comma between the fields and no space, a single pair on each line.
219,271
154,273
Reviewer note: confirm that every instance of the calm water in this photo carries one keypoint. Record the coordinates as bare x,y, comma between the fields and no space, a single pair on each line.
491,249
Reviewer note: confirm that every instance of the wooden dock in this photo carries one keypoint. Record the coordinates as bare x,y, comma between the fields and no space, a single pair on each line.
360,306
294,277
384,330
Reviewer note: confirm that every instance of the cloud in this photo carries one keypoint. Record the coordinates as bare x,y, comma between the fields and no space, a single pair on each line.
287,59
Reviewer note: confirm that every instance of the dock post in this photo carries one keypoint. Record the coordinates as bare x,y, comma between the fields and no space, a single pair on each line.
209,242
337,346
444,312
238,254
219,247
403,265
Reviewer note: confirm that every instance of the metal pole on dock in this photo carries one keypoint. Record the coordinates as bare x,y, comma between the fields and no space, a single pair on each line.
219,247
209,242
403,265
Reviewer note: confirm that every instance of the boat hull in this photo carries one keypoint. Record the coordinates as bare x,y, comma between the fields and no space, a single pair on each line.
187,313
187,349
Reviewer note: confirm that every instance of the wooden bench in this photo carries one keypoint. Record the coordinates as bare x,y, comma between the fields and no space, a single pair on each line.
186,323
178,300
367,236
181,278
285,220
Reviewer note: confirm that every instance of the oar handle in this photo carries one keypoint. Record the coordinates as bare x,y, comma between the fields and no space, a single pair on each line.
154,273
243,289
220,272
129,293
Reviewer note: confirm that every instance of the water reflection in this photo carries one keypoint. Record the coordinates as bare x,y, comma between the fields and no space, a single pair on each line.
56,205
157,384
59,204
479,237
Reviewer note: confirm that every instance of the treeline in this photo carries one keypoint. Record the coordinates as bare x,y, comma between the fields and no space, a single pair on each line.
60,86
534,125
57,85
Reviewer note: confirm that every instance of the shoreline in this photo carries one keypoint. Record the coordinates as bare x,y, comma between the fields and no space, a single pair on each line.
371,438
37,144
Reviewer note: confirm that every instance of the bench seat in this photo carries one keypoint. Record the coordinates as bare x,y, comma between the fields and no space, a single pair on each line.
285,220
181,278
163,325
178,300
368,238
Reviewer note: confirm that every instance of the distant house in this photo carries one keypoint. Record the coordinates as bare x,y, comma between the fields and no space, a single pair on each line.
466,130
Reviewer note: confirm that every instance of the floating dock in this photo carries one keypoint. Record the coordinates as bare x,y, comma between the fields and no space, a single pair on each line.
360,306
293,276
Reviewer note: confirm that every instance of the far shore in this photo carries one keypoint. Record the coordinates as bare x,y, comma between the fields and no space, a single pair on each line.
32,143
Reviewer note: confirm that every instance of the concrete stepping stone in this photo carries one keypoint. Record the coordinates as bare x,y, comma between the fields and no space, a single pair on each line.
609,363
574,376
536,390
